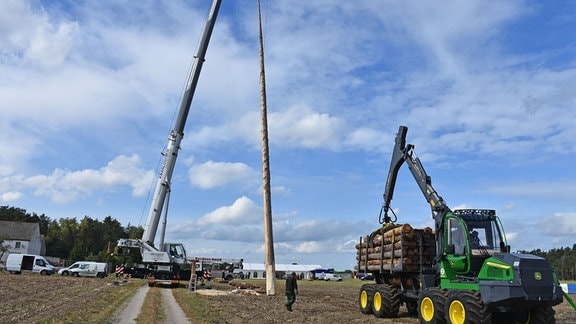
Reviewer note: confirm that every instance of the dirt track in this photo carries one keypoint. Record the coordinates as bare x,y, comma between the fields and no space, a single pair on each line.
35,299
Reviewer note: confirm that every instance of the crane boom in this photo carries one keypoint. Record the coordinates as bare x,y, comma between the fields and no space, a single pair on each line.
176,135
405,153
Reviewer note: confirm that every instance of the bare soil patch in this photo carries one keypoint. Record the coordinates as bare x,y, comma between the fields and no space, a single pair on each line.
50,299
32,298
318,302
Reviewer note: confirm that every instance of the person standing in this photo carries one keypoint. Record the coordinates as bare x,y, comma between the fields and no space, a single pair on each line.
291,290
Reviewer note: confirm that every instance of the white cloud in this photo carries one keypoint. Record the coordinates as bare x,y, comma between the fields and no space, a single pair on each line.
300,126
63,186
216,174
348,246
511,237
242,212
39,40
311,247
366,138
559,224
10,196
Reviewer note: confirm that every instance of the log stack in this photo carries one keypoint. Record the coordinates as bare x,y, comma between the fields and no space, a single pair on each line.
396,248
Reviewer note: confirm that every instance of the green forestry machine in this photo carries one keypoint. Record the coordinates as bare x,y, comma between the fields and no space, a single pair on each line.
460,272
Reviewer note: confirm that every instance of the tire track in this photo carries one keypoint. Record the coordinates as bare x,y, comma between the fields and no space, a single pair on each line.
132,309
173,311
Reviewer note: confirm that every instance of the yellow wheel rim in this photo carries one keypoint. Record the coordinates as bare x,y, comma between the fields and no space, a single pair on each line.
427,309
364,299
457,312
523,320
377,301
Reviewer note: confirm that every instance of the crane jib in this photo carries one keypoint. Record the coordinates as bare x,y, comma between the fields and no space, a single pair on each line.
176,135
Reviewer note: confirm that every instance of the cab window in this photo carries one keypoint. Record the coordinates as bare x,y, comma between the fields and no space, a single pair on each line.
456,236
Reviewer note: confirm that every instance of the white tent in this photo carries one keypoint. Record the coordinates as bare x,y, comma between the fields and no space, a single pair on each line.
257,270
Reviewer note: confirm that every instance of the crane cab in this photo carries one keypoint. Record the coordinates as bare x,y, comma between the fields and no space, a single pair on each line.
176,252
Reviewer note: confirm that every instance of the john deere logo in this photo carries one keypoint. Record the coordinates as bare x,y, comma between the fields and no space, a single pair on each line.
537,275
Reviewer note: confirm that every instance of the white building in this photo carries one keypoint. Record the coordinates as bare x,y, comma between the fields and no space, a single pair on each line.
258,270
21,237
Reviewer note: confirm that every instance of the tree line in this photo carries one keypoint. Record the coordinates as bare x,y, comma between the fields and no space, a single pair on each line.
93,240
71,239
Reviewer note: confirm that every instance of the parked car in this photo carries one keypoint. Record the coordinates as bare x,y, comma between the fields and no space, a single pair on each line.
85,269
365,276
18,263
332,277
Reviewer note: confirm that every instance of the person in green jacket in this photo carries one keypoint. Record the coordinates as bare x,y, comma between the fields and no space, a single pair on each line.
291,290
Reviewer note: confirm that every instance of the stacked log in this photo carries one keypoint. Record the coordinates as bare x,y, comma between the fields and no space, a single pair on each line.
396,248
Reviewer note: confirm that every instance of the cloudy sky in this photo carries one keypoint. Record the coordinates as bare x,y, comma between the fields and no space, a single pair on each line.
89,91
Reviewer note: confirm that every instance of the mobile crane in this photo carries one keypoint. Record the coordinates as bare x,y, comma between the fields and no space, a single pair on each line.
167,263
473,277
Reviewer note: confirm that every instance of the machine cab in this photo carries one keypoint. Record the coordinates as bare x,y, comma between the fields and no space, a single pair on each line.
473,235
176,252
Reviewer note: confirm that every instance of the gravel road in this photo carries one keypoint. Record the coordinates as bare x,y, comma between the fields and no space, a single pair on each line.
173,312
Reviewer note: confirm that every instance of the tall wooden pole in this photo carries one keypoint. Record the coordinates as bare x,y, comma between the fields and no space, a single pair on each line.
268,237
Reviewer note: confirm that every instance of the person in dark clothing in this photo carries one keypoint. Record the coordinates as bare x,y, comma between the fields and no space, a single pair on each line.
291,291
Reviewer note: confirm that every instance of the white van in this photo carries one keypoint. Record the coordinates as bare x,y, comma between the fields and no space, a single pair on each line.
17,263
332,277
85,269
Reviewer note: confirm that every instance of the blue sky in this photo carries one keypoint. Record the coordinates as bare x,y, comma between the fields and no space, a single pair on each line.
89,91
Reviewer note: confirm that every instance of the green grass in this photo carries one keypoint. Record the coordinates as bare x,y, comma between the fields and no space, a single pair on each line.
196,307
152,310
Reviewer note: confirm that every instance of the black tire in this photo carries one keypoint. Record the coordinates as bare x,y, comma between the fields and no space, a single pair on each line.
543,315
466,307
431,306
365,298
65,273
75,274
100,275
538,315
386,301
43,273
228,278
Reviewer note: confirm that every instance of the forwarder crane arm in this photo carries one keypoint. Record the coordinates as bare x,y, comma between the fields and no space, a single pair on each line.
405,153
